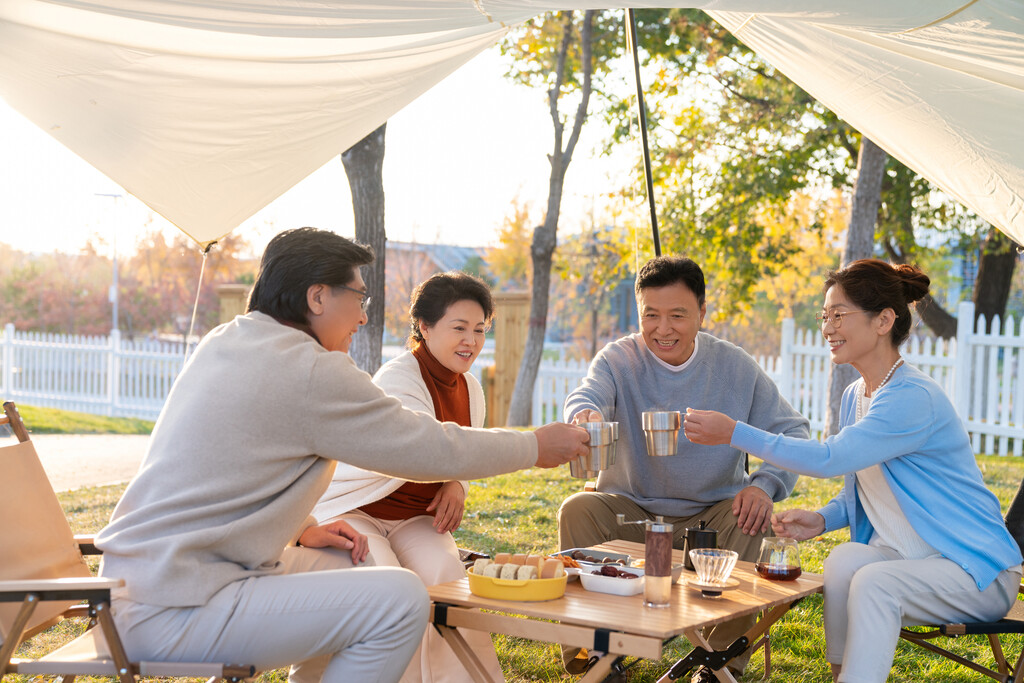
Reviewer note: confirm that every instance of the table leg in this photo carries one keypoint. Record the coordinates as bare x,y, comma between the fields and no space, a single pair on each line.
766,621
465,654
698,640
599,670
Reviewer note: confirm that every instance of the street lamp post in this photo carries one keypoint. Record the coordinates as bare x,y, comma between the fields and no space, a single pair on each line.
112,294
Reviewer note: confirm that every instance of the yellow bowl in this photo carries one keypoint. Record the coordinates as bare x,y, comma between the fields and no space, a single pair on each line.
524,590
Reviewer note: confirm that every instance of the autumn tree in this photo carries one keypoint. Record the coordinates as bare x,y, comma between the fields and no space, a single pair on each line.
793,292
68,292
408,266
159,282
734,137
591,266
509,262
56,292
561,52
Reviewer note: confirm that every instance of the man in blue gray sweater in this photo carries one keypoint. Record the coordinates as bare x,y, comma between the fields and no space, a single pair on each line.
672,365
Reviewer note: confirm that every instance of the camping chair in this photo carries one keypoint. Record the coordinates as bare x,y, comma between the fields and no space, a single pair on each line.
44,579
1013,622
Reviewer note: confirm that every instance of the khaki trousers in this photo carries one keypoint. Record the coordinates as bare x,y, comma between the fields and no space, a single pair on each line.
364,623
870,592
588,518
413,544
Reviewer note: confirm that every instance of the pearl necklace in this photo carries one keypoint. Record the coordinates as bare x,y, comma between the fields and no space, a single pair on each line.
864,384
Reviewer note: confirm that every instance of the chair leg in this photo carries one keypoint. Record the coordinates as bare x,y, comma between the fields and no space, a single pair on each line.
125,674
997,653
1018,668
16,631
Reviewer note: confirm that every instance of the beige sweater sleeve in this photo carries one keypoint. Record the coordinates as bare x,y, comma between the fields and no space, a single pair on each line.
247,443
355,421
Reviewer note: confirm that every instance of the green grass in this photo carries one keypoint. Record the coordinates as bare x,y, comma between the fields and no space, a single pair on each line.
518,511
54,421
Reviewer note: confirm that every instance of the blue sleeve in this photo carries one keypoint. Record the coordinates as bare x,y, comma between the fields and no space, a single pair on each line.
899,422
835,512
771,413
597,392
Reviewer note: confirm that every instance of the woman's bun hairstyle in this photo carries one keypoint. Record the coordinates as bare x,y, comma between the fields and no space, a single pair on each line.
915,282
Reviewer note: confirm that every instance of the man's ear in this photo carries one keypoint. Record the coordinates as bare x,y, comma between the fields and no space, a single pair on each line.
315,297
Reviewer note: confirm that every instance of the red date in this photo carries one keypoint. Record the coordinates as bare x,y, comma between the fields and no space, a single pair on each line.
609,570
580,556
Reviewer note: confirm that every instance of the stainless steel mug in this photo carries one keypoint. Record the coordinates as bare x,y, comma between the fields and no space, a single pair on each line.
661,431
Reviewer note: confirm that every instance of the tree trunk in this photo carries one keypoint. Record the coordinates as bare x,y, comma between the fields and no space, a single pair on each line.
541,251
364,166
992,284
860,242
995,276
936,317
545,237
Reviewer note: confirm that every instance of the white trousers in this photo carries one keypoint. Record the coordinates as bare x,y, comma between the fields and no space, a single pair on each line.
871,592
365,624
413,544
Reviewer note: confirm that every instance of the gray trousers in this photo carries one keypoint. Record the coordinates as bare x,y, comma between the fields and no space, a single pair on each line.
415,545
368,620
870,593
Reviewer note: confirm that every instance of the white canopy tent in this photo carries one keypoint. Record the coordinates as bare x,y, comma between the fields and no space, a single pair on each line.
208,111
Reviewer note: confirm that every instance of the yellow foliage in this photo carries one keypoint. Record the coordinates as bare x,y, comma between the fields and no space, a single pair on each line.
510,262
801,278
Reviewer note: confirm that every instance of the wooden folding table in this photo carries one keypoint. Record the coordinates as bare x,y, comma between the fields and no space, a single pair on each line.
611,624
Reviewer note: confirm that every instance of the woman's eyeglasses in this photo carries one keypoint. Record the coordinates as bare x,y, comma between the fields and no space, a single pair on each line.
364,303
835,318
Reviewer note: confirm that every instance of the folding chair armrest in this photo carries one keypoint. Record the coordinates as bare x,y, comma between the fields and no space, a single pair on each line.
58,589
87,544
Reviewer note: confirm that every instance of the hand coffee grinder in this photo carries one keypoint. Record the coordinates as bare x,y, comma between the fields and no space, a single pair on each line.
658,559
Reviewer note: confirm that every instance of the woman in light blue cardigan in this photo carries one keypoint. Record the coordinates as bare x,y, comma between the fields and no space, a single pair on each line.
928,542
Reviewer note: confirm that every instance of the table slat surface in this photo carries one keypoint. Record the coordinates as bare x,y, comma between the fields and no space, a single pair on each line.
689,609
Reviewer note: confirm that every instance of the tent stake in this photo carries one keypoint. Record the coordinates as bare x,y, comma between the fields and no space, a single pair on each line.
642,110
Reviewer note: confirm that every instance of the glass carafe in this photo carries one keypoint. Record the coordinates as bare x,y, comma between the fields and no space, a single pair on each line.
779,559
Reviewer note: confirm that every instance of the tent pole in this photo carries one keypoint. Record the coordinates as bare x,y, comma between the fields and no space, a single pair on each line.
642,110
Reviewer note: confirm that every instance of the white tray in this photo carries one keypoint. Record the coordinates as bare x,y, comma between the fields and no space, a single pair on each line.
612,585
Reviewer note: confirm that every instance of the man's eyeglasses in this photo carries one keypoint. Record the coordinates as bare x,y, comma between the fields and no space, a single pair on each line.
364,303
835,318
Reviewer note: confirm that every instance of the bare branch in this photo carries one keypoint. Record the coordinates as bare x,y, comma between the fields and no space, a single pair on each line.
556,88
587,64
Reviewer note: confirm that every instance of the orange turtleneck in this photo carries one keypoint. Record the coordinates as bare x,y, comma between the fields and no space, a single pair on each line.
450,395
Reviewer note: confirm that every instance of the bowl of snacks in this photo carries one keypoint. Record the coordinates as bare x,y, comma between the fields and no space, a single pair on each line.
594,556
613,580
521,577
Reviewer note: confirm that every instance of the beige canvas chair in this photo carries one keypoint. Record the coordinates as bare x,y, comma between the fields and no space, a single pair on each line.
1012,623
44,579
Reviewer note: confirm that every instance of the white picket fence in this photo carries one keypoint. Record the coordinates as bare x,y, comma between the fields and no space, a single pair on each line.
100,375
110,376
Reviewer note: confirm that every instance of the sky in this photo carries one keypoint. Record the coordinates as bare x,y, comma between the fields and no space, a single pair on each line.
455,160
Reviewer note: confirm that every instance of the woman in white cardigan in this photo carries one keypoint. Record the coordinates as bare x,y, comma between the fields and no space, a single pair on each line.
409,524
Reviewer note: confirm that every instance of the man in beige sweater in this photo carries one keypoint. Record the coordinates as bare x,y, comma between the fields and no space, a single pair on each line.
244,447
